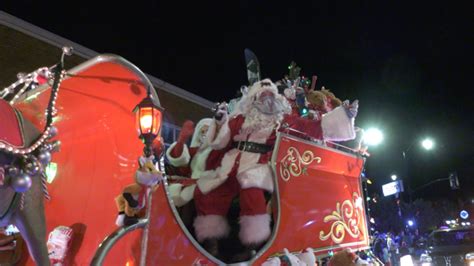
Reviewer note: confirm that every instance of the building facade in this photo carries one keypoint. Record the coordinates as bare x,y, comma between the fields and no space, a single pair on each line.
25,47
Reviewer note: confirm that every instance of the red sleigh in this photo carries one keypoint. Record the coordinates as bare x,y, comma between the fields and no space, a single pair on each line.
318,200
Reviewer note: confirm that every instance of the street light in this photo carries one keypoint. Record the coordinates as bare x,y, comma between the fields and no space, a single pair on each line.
373,137
148,122
394,177
427,144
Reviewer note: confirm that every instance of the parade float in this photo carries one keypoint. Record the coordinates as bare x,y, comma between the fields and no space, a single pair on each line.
96,110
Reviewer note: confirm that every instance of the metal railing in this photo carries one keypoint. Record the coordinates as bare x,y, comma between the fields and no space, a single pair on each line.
114,237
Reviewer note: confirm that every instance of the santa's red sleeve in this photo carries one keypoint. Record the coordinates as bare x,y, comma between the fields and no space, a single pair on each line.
222,137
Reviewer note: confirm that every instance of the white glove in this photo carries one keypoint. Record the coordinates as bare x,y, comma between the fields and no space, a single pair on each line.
220,115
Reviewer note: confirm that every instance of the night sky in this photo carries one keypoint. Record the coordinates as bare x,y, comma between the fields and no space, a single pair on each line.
410,65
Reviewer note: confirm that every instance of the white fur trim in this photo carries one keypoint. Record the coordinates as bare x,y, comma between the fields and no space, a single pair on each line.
175,191
119,220
182,160
337,126
211,133
210,226
256,88
209,181
181,195
254,229
223,137
213,180
187,194
198,162
260,176
307,257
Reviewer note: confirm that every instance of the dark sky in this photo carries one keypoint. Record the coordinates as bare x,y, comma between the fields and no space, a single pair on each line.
410,65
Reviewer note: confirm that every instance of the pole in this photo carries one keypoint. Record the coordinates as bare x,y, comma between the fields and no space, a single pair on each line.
146,229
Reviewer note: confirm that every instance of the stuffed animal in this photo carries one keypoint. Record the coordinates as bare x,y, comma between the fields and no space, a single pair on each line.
317,104
333,101
133,197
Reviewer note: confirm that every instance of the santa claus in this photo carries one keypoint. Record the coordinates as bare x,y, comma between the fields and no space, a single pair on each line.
248,139
189,163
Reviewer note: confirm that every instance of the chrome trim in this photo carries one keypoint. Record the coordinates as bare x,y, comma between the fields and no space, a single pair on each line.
320,145
105,58
114,237
190,237
144,244
111,239
112,58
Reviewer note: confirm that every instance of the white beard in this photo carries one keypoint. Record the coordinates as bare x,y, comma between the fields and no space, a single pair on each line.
256,121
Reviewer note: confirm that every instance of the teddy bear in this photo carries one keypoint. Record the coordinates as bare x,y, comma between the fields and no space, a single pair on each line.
317,104
333,101
134,196
321,102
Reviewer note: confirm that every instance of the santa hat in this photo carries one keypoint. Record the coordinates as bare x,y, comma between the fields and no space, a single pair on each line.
256,89
260,86
195,141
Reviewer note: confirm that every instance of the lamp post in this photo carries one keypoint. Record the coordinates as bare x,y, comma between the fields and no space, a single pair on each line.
148,116
427,144
148,122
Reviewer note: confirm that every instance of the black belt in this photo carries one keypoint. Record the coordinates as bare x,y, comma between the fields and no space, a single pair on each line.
252,147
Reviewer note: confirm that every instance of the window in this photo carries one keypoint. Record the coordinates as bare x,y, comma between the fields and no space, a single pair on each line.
169,132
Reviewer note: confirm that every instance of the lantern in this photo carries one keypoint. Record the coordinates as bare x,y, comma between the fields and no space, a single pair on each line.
148,122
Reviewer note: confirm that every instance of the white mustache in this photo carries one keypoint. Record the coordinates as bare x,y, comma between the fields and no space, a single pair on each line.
269,105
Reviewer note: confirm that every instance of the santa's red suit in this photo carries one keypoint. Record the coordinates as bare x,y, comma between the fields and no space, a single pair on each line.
190,163
248,139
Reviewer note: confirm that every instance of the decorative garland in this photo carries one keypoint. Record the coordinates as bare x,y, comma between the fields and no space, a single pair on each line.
27,162
46,134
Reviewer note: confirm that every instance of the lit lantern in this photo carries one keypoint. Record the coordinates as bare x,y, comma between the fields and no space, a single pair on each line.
148,122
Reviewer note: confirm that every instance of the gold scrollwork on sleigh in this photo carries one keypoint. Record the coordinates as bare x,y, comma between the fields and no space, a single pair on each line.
348,217
296,164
